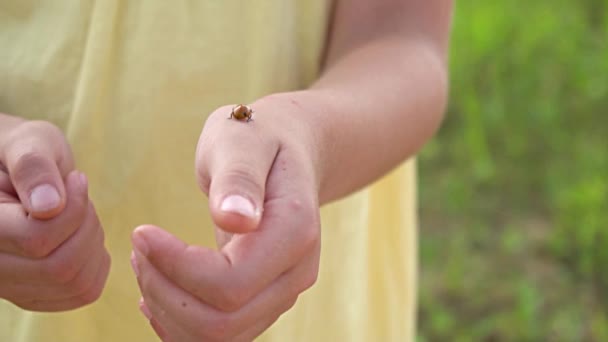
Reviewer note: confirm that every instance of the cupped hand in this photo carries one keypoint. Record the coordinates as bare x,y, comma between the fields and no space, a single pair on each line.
52,254
263,196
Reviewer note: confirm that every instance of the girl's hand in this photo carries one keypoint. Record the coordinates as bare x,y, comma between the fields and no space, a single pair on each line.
262,184
52,253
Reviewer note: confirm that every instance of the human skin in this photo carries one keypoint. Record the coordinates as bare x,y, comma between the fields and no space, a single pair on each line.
381,95
52,253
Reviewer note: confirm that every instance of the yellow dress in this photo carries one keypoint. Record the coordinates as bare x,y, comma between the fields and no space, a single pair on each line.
130,84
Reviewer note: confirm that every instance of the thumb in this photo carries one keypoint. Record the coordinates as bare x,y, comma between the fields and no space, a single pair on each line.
232,173
36,175
236,198
39,185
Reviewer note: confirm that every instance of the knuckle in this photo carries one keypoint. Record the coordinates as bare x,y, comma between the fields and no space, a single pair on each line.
41,125
85,216
220,327
85,212
40,128
25,305
243,176
101,240
14,293
52,132
309,280
93,289
90,296
231,298
307,213
303,208
56,136
204,180
25,141
81,282
77,215
290,303
218,115
28,163
63,271
310,237
36,245
29,128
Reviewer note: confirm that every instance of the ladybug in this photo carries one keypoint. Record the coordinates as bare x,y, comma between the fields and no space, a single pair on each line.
241,112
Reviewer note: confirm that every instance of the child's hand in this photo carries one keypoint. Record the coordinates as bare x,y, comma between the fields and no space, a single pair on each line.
52,255
263,194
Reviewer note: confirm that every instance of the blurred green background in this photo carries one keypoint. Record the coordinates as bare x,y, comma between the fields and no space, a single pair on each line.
514,189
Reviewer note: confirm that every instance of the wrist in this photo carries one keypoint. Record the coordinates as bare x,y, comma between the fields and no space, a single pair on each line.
303,126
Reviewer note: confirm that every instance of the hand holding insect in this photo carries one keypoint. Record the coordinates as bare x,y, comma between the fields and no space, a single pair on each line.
262,188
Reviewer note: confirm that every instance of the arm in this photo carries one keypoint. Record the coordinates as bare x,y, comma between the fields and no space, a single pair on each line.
383,91
380,97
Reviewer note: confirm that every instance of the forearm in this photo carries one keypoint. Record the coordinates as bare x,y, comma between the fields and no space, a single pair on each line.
385,100
372,109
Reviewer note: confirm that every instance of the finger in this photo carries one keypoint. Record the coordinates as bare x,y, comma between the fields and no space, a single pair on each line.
80,251
25,236
175,332
5,184
87,298
232,161
228,280
166,330
161,332
222,237
158,329
37,158
290,228
59,266
249,262
79,285
173,305
61,276
166,321
261,326
158,246
7,192
6,198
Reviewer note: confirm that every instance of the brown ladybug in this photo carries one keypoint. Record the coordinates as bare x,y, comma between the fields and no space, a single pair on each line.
241,112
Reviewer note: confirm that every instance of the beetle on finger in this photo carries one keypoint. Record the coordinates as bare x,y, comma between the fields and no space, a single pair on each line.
241,113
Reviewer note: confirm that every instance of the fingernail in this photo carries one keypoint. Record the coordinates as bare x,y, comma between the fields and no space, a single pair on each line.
238,204
140,242
134,264
44,197
144,309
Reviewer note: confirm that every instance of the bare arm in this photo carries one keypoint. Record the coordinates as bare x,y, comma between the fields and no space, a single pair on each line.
383,91
385,88
381,96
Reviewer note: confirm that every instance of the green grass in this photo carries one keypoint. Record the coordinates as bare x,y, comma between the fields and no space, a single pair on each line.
514,189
